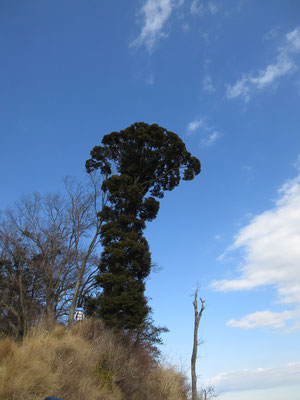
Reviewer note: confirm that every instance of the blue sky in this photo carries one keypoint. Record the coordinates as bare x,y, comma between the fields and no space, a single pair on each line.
224,76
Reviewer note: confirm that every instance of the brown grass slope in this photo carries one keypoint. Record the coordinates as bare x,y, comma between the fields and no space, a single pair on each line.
87,362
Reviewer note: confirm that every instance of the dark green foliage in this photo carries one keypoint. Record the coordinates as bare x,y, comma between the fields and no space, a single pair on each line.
139,163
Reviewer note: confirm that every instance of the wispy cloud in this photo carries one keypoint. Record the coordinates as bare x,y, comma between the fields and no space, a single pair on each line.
212,7
195,125
261,378
155,14
150,79
210,134
271,246
297,163
284,64
272,33
210,139
198,7
207,84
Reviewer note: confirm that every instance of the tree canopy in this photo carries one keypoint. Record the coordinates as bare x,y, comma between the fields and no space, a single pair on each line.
139,163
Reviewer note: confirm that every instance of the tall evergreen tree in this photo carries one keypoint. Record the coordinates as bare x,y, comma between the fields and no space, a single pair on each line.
140,163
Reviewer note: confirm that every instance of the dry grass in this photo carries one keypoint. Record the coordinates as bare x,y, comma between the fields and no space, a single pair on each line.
87,362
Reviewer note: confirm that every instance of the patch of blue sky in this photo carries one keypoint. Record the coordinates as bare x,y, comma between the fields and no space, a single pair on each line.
225,77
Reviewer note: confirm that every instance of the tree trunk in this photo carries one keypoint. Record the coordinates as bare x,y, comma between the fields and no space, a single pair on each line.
193,361
195,345
23,330
74,301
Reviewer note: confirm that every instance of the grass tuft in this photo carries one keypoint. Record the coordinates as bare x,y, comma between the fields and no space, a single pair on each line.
87,362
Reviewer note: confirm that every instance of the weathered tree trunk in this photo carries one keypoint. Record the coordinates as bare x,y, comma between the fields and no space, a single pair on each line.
198,315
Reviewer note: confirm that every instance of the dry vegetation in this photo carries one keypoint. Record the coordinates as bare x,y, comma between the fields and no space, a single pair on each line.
87,362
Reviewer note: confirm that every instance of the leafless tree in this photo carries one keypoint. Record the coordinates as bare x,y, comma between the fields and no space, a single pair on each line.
208,393
198,315
85,205
58,235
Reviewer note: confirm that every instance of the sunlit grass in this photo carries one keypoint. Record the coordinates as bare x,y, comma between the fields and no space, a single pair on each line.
87,362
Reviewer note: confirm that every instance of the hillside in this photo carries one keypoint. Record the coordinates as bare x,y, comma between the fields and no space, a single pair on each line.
87,362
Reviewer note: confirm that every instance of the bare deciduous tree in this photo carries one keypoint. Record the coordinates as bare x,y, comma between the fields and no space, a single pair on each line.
208,393
57,237
86,223
198,315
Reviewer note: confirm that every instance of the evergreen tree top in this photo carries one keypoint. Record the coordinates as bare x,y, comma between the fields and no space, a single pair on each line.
145,155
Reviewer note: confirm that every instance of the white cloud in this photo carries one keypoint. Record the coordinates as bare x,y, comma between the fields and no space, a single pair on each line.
212,7
285,64
261,378
185,27
198,8
271,246
240,88
150,79
210,134
297,163
265,319
272,34
210,139
155,15
194,125
207,84
293,39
